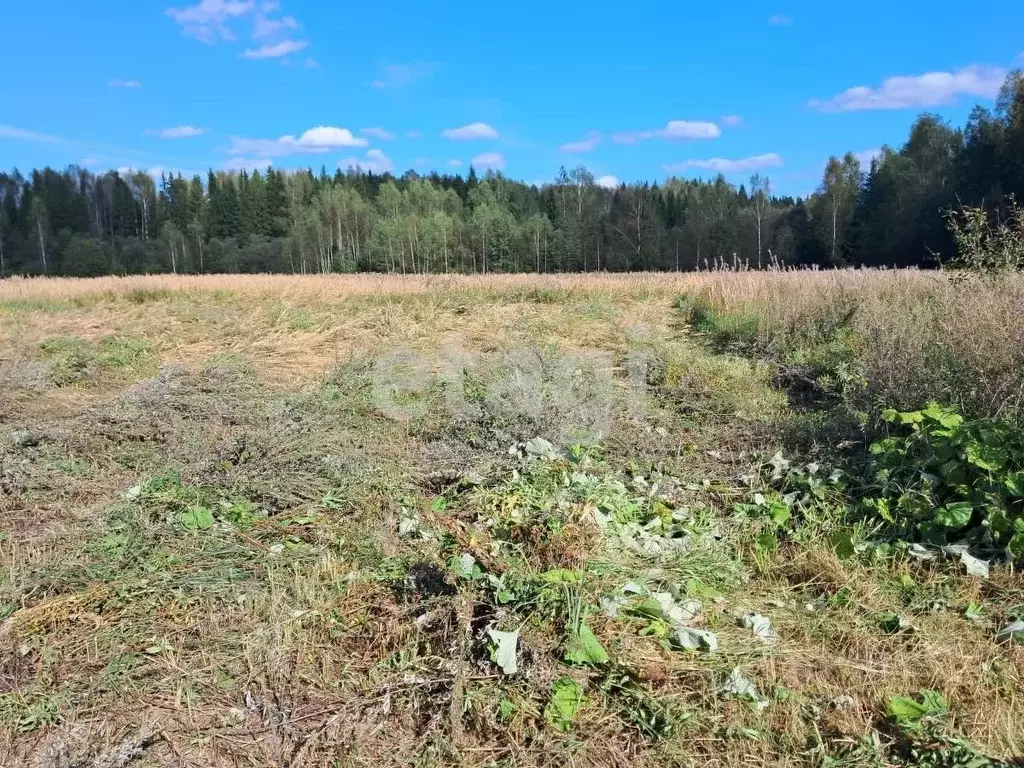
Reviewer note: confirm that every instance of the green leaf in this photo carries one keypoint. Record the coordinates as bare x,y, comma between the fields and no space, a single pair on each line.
196,518
842,543
1015,484
564,703
1016,546
650,607
881,507
506,710
767,542
987,457
944,416
974,612
908,711
505,650
910,417
779,513
561,576
584,648
893,622
465,567
954,515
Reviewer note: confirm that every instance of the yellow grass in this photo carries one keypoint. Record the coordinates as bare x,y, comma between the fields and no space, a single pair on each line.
729,286
310,632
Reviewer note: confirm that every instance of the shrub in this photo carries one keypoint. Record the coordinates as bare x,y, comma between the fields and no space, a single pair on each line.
943,479
982,247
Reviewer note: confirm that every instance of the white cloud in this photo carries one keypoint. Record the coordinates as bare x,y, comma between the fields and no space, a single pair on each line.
378,133
1020,58
732,121
275,51
492,160
866,156
89,161
320,139
119,83
245,163
208,20
311,63
586,144
156,171
927,90
674,130
412,134
454,163
722,165
266,27
401,75
374,162
10,132
471,131
780,20
178,132
688,129
328,136
607,181
213,20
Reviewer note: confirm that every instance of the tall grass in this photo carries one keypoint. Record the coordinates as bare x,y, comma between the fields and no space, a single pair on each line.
916,336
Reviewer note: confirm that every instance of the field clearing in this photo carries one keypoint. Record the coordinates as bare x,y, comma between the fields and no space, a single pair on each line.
305,520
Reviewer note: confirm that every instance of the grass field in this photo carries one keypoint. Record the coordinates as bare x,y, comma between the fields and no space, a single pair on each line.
492,521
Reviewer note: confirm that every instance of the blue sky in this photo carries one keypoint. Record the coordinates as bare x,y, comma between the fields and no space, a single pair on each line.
633,91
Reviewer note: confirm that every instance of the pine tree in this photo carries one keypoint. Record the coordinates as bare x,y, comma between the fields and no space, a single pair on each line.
277,219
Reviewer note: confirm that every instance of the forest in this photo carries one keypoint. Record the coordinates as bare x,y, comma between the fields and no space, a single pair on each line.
892,213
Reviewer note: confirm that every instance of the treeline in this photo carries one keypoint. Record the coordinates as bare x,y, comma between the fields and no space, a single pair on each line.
891,213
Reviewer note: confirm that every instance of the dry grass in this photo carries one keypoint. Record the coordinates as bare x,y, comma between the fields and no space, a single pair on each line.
313,634
920,336
331,287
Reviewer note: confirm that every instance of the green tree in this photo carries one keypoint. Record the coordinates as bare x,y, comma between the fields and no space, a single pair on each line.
837,198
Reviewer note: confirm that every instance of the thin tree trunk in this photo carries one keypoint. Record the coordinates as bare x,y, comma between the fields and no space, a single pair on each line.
835,233
42,244
759,239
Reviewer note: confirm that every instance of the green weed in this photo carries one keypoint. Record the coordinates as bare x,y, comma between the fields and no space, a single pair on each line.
942,479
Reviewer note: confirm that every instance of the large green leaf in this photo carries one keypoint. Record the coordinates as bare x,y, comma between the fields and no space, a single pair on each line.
1016,546
779,513
956,514
1015,484
944,416
989,457
196,518
584,648
564,703
908,711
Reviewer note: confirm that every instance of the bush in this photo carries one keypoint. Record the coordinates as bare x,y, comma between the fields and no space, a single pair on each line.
941,479
982,247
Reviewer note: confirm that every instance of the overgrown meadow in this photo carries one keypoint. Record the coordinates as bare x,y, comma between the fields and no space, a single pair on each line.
639,520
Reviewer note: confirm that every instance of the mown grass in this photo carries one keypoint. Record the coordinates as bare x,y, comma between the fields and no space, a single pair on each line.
279,528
